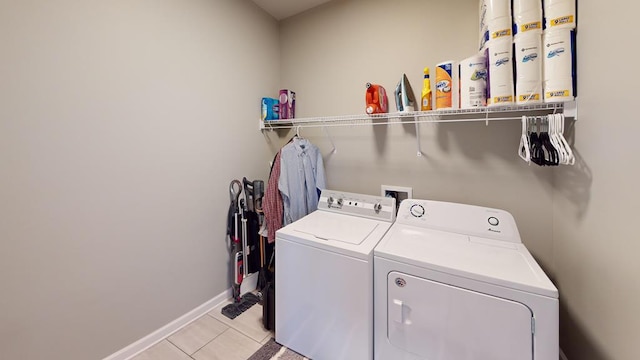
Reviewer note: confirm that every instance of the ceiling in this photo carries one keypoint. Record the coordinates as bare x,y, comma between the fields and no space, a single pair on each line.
282,9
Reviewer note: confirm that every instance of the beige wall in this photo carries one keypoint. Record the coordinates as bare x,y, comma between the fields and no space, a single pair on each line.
121,125
328,54
595,202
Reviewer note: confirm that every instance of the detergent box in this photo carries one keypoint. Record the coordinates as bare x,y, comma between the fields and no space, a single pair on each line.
287,104
270,109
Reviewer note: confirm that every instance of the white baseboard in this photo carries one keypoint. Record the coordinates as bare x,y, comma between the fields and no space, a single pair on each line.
562,355
165,331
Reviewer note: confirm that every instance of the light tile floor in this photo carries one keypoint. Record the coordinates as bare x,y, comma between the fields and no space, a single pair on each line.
213,337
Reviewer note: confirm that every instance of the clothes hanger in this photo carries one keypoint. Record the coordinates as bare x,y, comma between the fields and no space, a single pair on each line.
572,158
296,135
524,150
555,139
551,153
537,153
544,150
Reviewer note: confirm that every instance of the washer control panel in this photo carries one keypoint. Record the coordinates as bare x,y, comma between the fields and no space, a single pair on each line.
375,207
459,218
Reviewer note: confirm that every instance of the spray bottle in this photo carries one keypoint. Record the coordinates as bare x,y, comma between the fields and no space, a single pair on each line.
426,92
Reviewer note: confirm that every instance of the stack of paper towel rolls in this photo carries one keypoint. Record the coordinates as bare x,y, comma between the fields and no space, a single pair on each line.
559,50
527,19
499,52
544,60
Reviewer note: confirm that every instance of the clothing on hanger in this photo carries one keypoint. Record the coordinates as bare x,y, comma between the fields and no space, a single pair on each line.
272,206
301,178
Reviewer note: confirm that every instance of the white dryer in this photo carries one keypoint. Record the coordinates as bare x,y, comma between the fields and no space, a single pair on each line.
455,282
324,276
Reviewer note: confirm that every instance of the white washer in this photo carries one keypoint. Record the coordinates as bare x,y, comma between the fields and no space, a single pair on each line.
324,276
454,281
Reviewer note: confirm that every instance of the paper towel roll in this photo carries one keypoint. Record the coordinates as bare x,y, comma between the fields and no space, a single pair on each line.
500,27
528,58
528,92
484,37
500,80
558,65
560,14
527,16
473,82
526,6
447,85
484,26
498,9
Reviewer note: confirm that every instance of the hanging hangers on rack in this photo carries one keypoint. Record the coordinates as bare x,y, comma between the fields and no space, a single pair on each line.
571,157
523,151
554,133
551,153
542,137
537,152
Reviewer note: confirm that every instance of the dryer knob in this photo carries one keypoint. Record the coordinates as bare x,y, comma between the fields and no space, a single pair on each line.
417,210
377,207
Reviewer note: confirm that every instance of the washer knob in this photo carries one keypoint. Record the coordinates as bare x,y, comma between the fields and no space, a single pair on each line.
340,202
330,201
377,207
493,221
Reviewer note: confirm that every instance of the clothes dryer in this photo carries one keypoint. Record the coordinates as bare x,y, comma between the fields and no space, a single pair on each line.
454,281
324,276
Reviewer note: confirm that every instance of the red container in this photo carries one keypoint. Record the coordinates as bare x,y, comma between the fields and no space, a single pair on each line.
376,98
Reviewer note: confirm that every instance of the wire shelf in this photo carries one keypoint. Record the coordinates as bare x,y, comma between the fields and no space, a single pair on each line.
513,112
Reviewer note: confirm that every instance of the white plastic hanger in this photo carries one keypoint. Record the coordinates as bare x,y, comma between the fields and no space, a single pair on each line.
555,141
572,158
566,149
524,150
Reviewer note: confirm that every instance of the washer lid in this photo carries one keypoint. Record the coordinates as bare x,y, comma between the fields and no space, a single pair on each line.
488,260
352,235
350,232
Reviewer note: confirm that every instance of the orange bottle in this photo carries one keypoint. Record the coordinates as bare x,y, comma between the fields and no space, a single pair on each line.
376,99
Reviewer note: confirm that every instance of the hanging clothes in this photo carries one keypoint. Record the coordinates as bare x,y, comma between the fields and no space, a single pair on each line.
301,179
272,206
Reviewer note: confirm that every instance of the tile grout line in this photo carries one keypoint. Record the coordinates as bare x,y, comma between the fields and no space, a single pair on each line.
176,346
228,327
248,336
236,328
208,342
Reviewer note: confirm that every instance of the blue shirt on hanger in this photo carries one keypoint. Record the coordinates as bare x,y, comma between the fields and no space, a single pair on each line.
301,178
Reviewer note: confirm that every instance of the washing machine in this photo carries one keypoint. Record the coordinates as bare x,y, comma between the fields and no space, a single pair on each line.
455,282
324,276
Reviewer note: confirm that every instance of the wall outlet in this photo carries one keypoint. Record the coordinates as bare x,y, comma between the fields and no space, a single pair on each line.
398,192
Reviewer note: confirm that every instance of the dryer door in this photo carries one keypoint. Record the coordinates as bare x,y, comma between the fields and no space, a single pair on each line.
441,322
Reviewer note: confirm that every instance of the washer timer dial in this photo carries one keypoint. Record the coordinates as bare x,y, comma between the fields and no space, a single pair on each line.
417,210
